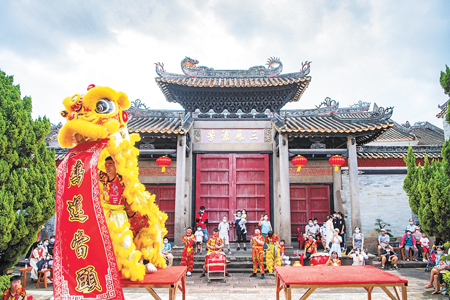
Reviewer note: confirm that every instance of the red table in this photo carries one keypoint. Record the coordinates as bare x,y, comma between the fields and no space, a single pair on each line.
173,278
312,278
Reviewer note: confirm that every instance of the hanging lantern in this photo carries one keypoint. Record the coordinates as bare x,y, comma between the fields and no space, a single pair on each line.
163,162
336,161
299,161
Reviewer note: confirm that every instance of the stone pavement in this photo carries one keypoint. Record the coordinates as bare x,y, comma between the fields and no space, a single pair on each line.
241,286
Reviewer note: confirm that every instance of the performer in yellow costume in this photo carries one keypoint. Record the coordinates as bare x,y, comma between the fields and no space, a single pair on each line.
97,115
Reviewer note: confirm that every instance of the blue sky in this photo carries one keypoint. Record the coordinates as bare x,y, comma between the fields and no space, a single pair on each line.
388,52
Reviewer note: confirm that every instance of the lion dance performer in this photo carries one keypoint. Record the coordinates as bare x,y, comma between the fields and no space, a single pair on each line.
187,257
97,187
257,242
214,256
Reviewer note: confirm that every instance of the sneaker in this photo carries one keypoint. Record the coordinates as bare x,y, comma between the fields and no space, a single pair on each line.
188,274
245,248
203,275
424,260
395,267
407,259
49,281
262,276
238,248
229,252
382,267
253,275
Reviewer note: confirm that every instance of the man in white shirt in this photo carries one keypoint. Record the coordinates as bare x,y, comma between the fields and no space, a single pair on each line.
224,227
411,226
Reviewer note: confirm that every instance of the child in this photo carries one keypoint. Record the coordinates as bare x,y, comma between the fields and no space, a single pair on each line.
281,246
310,246
199,238
187,257
425,244
242,222
334,260
358,257
166,252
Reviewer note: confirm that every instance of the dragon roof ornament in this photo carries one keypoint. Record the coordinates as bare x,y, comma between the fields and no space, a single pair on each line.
190,69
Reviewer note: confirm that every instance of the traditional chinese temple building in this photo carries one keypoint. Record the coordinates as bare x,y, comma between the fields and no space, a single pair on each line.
232,147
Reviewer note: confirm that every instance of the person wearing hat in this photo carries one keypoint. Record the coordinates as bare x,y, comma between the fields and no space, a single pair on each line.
409,242
383,242
336,240
16,290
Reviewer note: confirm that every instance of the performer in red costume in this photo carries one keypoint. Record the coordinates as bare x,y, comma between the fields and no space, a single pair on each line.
214,245
113,185
257,242
187,258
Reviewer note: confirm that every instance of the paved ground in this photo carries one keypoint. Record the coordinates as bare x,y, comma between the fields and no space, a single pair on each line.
241,286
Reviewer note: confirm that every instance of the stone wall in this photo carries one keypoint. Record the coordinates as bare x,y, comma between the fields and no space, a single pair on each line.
381,196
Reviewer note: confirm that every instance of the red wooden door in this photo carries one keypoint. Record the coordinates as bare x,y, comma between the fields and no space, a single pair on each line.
165,199
225,183
308,202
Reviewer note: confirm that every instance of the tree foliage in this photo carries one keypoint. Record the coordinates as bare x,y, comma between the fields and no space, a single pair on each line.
27,174
428,187
410,183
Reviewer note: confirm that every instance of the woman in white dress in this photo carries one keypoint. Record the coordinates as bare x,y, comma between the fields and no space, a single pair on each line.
336,243
330,231
36,255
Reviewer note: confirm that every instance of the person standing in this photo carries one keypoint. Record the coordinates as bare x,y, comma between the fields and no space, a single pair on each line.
257,242
187,257
341,227
202,219
336,243
224,227
241,236
265,227
329,230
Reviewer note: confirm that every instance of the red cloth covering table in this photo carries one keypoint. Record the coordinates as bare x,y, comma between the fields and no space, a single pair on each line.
312,278
173,278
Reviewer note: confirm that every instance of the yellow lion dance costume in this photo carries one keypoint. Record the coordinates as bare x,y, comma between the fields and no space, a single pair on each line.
100,114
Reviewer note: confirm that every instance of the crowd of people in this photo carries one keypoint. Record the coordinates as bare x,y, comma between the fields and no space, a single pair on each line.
331,234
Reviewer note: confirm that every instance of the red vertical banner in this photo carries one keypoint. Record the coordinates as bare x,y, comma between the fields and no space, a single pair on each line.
84,265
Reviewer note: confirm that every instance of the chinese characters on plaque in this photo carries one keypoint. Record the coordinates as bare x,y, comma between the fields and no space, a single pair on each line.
232,136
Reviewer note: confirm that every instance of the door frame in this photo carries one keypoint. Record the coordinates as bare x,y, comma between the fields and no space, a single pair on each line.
194,182
330,190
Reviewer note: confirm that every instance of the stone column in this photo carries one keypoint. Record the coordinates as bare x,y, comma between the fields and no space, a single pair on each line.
181,216
282,201
337,191
353,183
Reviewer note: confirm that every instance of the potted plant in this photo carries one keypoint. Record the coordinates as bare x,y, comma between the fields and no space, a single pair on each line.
380,224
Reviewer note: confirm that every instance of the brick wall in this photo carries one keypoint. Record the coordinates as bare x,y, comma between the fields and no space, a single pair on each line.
383,197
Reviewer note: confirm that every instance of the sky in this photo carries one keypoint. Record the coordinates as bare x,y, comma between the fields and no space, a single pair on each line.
385,52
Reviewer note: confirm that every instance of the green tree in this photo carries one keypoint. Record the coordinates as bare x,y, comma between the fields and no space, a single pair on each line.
27,174
410,183
425,212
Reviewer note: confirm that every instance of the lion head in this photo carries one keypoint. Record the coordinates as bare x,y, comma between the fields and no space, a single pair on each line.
96,115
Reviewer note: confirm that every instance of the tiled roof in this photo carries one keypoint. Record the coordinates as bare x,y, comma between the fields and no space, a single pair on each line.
380,152
202,82
397,133
428,134
162,122
365,125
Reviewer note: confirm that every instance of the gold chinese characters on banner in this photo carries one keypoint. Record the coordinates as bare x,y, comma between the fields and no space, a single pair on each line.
232,136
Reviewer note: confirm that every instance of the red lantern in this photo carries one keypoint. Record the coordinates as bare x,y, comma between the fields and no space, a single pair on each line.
163,162
336,161
299,161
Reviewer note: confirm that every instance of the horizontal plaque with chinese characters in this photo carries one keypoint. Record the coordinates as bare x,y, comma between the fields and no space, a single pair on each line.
232,136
